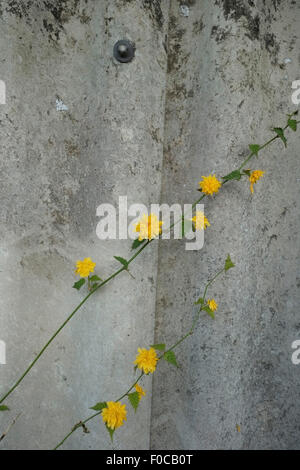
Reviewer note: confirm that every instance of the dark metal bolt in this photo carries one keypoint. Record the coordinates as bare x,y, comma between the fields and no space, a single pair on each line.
124,50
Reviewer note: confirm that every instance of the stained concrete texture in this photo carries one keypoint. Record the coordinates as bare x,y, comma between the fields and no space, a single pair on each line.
229,81
58,166
79,129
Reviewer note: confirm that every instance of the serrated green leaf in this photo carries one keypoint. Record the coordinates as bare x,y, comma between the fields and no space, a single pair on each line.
122,260
234,175
137,243
79,283
254,148
279,131
186,227
99,406
209,311
111,432
134,399
292,123
3,408
159,346
170,357
95,278
200,301
228,263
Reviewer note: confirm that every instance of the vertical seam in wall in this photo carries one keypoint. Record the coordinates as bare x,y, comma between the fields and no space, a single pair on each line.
160,196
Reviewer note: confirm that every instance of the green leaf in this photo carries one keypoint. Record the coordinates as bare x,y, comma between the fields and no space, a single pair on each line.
134,399
228,263
159,346
3,408
234,175
111,432
99,406
170,357
280,133
79,283
122,261
209,311
200,301
95,278
292,123
137,243
186,227
254,148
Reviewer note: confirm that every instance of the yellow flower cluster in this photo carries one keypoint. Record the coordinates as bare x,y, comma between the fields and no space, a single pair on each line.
254,177
210,184
200,221
114,414
212,304
146,360
140,390
148,227
85,267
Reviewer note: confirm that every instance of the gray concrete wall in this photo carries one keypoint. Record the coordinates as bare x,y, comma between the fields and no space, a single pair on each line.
228,83
200,88
57,167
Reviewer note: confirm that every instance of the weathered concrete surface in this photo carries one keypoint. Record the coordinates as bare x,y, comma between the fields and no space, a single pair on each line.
229,81
230,69
56,168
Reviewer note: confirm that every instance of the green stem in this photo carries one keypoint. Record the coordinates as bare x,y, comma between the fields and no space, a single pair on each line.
182,217
211,281
68,319
78,425
177,343
260,148
190,332
129,390
44,348
114,275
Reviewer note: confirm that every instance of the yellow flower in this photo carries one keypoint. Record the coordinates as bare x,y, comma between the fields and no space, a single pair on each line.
140,390
85,267
210,184
146,360
212,304
149,227
200,221
114,415
254,177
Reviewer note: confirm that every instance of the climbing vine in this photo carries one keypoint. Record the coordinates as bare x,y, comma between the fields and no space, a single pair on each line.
149,228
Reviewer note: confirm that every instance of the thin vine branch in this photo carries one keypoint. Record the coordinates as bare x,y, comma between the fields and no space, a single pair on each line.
235,175
175,345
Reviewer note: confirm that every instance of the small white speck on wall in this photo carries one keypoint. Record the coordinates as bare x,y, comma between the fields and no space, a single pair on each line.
2,92
60,106
184,9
